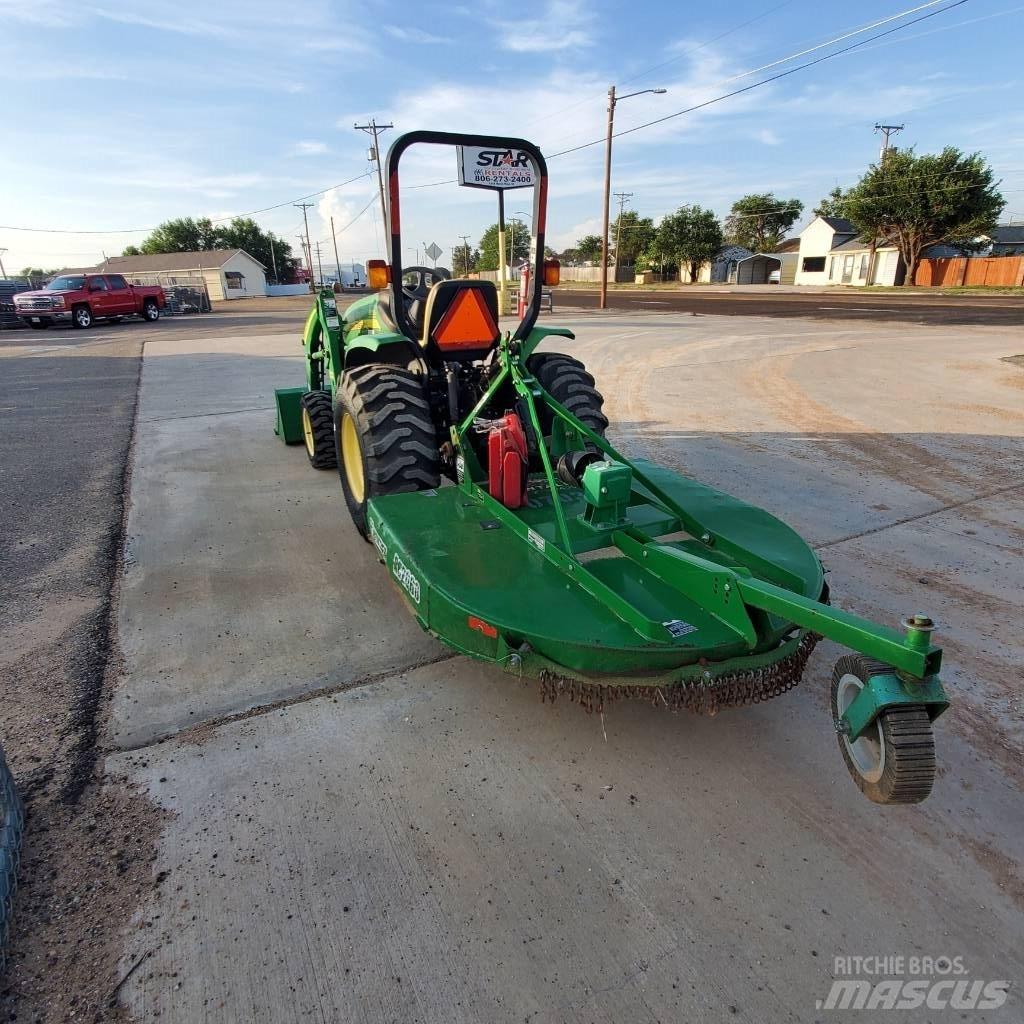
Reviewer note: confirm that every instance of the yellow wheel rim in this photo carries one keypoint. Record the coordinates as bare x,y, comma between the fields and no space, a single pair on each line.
307,432
352,456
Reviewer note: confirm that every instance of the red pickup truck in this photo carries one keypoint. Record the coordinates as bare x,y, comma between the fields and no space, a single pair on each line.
82,299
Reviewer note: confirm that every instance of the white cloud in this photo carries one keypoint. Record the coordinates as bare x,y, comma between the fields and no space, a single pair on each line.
565,24
767,137
308,147
413,35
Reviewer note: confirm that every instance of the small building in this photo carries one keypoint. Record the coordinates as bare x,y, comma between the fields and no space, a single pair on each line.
1006,240
722,269
228,273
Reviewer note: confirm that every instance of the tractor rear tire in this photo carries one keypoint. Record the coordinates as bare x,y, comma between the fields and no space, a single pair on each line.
893,761
385,437
566,380
318,429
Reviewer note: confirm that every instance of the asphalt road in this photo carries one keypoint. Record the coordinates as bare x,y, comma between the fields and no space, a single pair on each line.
927,308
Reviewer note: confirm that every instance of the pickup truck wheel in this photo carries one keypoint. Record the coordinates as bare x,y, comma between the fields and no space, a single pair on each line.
81,317
150,311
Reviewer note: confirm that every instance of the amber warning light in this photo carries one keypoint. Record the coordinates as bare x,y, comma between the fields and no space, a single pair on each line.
378,274
552,271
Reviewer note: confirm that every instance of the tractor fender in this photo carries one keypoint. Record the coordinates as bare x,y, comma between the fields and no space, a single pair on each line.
383,347
539,333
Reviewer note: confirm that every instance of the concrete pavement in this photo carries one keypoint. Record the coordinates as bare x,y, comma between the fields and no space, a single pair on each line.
365,828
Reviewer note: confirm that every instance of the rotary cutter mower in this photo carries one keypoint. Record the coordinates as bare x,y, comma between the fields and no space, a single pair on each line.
548,552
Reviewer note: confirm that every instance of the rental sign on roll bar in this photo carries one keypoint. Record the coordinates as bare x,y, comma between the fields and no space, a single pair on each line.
498,169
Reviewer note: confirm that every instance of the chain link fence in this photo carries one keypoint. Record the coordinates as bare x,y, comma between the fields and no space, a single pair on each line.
185,293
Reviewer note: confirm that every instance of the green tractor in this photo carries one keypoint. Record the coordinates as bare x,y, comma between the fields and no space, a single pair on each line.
518,535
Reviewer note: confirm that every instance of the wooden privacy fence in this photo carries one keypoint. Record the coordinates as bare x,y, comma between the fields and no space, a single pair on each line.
998,271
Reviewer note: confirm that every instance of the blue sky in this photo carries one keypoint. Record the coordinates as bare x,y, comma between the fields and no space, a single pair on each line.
123,115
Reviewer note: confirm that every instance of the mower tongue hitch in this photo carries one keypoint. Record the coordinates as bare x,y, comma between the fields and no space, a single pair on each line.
551,554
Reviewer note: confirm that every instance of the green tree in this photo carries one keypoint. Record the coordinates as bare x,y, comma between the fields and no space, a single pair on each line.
587,249
245,233
917,201
833,205
517,234
36,273
689,237
464,259
629,236
185,234
760,222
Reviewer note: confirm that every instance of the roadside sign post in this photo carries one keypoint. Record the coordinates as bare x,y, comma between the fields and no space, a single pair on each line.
497,170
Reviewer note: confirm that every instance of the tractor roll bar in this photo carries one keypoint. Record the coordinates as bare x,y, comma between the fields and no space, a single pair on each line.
394,225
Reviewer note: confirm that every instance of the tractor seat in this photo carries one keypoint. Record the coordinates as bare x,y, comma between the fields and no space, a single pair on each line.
461,319
414,310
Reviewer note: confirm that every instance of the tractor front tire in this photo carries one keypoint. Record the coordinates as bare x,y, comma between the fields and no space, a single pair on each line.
893,761
385,438
566,380
318,429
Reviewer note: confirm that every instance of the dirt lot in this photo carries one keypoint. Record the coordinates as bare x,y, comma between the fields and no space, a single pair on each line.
327,816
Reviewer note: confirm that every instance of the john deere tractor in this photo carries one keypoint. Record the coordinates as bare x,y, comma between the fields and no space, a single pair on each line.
517,534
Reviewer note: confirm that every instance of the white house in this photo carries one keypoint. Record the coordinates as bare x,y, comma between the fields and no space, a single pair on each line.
228,273
832,253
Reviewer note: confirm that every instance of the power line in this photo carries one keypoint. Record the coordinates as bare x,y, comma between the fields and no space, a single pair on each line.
776,77
219,220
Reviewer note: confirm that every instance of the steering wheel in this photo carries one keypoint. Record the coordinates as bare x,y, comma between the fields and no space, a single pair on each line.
416,294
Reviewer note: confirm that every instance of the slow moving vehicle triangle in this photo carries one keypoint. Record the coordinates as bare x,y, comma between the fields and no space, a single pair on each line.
466,322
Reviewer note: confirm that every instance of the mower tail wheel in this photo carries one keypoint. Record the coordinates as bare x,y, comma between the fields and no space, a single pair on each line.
567,381
385,437
893,762
318,429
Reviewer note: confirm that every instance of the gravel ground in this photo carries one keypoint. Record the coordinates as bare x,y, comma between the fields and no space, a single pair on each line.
66,423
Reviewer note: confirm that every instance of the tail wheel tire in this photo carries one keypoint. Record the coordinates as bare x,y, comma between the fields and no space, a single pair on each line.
150,312
385,437
81,317
893,761
318,429
566,380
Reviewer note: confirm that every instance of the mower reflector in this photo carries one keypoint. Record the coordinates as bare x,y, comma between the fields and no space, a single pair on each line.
467,323
507,462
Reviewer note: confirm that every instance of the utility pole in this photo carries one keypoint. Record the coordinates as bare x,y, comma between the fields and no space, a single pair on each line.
612,100
375,129
465,255
319,264
887,130
3,273
273,260
603,300
305,256
337,262
309,252
623,198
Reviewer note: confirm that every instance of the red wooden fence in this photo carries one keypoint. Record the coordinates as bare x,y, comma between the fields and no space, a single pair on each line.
997,271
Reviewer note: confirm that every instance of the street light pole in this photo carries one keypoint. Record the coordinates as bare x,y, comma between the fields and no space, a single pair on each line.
612,100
